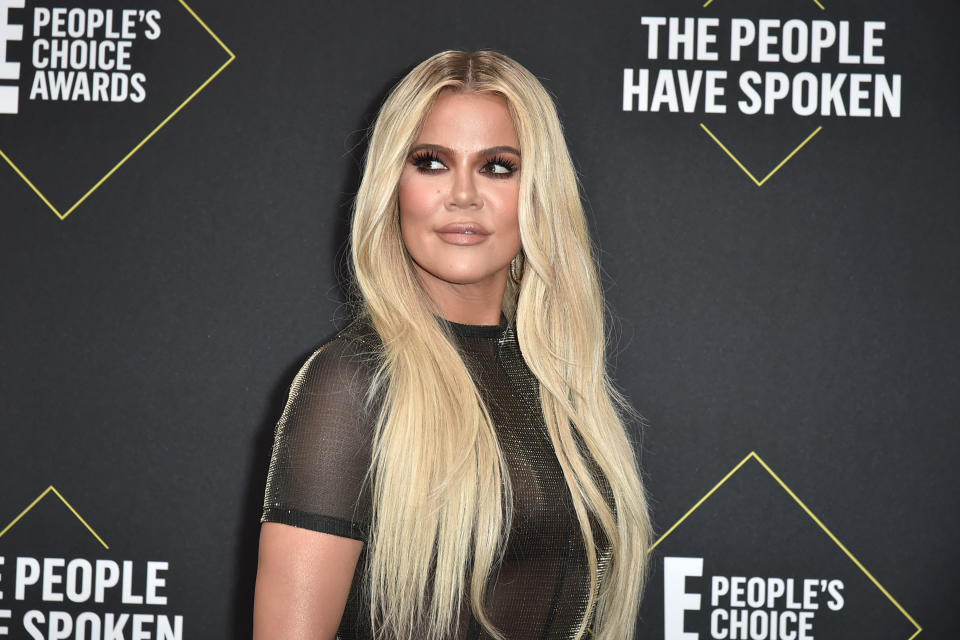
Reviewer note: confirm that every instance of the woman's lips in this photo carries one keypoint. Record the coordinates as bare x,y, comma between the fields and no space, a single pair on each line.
463,233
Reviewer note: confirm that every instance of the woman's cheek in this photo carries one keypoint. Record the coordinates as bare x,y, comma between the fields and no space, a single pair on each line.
417,197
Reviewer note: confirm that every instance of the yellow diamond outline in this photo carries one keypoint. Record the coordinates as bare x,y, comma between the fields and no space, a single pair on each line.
109,173
816,2
759,183
754,456
69,506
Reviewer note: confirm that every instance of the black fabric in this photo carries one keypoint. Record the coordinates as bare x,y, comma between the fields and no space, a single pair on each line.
322,451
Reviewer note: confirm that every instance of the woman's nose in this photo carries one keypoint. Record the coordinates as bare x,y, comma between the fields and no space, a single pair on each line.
464,193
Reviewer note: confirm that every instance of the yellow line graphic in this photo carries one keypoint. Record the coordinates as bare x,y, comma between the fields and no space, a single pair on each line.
64,501
759,183
109,173
816,2
837,542
753,455
700,502
27,180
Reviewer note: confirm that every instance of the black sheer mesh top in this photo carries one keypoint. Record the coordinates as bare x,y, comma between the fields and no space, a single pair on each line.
322,450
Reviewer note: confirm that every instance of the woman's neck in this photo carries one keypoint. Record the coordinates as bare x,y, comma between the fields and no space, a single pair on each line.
479,303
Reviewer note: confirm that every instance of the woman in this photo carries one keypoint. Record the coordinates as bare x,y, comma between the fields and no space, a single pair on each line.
453,464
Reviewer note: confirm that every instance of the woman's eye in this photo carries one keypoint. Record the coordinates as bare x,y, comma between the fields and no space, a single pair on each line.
500,168
428,163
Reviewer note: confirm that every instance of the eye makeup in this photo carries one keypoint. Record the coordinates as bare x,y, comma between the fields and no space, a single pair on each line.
501,161
426,159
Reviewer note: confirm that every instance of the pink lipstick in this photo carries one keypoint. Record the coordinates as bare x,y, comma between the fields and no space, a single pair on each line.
463,233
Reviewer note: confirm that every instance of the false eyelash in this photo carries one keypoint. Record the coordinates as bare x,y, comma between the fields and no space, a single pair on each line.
423,157
503,162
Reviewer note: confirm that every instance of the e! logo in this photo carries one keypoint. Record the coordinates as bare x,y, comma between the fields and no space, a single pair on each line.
9,95
676,599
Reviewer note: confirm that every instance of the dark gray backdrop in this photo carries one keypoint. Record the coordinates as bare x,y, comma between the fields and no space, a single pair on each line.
150,335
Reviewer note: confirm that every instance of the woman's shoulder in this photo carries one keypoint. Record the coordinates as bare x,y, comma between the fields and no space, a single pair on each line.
347,361
359,336
323,439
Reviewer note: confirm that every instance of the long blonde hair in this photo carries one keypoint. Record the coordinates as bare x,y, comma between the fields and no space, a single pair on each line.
441,487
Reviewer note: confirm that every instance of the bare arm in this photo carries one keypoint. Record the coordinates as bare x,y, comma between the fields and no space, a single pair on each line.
303,580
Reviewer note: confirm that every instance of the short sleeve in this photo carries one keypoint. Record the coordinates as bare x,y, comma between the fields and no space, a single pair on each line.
322,444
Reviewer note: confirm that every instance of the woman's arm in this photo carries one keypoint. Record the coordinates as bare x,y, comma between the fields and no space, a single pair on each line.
303,579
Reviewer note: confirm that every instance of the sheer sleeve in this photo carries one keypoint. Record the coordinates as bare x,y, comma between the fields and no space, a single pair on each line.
322,443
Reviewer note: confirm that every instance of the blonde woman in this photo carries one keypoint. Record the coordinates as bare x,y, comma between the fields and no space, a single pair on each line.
454,464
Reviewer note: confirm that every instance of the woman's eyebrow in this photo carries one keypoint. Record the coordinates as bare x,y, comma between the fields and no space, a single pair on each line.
485,152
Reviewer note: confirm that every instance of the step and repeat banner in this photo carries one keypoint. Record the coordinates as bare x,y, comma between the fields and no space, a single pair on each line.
773,191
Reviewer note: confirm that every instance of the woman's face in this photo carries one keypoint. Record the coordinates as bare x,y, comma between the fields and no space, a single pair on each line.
458,196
